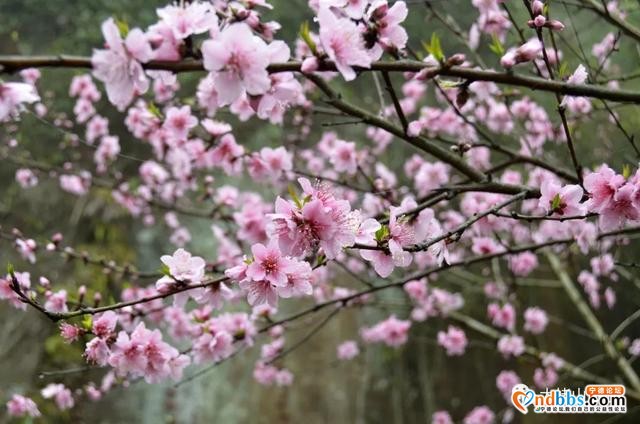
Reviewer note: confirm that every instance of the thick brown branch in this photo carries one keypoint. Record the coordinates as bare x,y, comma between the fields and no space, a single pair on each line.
17,63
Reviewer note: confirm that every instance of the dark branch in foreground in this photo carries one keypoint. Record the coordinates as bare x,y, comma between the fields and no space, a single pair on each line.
11,64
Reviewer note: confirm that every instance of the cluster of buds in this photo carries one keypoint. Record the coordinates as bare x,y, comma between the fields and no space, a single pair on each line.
540,20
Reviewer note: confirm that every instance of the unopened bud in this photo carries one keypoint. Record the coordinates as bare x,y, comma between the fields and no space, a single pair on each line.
537,7
456,60
555,25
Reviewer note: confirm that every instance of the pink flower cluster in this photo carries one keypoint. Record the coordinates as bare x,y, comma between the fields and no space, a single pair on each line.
393,332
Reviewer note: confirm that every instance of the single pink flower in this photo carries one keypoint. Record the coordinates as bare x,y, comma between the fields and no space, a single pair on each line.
342,41
238,61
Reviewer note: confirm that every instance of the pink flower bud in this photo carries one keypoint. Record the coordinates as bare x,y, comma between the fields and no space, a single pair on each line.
539,21
555,25
414,128
537,7
508,61
310,64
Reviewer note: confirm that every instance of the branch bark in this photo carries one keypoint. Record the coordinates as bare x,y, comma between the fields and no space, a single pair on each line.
9,64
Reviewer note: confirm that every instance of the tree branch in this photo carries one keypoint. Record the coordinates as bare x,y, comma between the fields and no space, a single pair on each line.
9,64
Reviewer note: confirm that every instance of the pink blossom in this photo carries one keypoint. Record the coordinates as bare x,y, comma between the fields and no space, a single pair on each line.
454,340
118,66
505,381
634,348
619,209
166,47
441,417
97,351
70,333
83,86
30,75
105,324
27,249
561,201
83,110
322,221
238,60
504,317
386,20
184,267
268,264
226,154
523,264
97,126
392,332
13,96
106,152
479,415
299,276
22,406
511,346
343,157
57,302
602,186
179,121
26,178
343,43
525,53
212,347
7,292
602,265
400,236
545,378
61,395
535,320
348,350
189,19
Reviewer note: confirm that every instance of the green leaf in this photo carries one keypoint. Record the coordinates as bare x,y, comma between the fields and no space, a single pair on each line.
434,47
294,196
382,233
305,34
164,269
555,203
496,46
87,322
626,171
123,27
564,69
10,269
450,84
153,109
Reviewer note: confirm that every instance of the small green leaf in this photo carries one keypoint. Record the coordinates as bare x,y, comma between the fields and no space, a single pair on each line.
450,84
294,196
496,46
555,203
123,27
10,269
87,322
164,269
564,69
382,233
305,34
153,109
434,47
626,171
